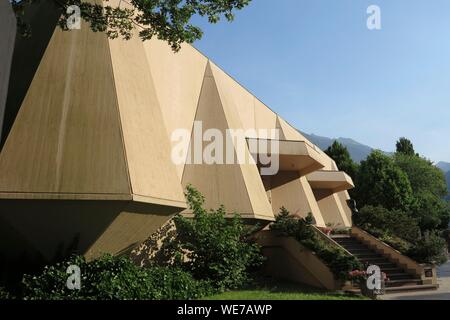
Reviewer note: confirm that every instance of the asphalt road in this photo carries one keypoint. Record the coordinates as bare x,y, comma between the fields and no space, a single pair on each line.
443,293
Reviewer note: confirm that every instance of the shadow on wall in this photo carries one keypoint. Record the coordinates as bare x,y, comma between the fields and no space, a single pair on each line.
42,18
36,233
39,232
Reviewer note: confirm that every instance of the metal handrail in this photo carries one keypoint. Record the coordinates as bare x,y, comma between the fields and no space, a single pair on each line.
329,239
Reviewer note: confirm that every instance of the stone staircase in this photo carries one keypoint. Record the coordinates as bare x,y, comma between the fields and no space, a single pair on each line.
398,278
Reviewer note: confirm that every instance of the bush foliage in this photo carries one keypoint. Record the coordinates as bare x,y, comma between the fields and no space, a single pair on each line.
429,248
213,247
113,278
4,294
381,221
397,229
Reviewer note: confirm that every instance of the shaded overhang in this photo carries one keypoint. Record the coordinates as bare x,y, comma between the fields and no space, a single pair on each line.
299,156
324,183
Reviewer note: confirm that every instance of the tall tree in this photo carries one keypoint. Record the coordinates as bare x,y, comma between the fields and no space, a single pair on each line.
169,20
339,153
429,188
381,182
423,175
405,146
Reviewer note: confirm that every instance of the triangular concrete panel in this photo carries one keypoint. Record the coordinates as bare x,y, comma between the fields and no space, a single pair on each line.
178,79
333,211
292,191
255,188
231,185
264,117
288,132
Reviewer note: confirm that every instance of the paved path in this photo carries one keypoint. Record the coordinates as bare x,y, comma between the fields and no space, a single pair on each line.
443,293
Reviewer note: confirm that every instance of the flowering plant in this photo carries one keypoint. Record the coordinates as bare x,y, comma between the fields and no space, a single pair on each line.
358,275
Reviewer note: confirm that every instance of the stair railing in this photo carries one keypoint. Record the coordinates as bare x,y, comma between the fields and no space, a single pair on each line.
329,240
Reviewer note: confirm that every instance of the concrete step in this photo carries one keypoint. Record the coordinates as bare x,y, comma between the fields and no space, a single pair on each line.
403,282
361,251
398,276
395,270
388,264
346,241
356,247
367,255
335,237
375,260
399,280
412,288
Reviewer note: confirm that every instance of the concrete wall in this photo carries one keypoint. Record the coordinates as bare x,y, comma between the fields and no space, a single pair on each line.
287,259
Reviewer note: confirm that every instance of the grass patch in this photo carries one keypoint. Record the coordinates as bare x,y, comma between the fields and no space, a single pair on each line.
282,291
270,295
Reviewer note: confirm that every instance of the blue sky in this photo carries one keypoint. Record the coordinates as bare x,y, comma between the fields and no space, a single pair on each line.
317,65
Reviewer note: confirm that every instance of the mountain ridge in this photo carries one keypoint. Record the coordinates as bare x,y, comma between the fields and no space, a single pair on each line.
444,166
359,151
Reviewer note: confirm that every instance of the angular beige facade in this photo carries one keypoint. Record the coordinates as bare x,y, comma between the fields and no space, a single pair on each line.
87,164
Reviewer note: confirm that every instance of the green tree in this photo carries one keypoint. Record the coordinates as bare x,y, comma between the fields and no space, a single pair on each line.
213,247
381,182
169,20
422,174
405,146
339,153
380,221
431,212
429,188
429,248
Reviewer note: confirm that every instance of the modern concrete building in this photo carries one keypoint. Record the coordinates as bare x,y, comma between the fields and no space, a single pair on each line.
86,163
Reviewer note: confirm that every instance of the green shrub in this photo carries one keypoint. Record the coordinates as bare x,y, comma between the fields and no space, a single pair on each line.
339,262
430,248
402,232
4,295
380,221
431,212
396,242
113,278
212,247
